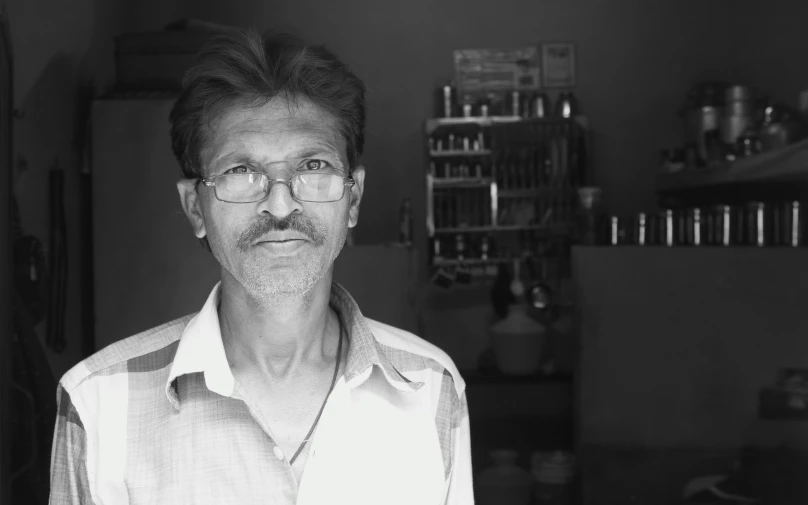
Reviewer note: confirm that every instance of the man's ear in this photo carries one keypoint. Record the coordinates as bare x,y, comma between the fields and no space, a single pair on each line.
191,205
356,195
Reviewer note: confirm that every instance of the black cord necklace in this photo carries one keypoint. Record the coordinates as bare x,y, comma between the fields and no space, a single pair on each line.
333,381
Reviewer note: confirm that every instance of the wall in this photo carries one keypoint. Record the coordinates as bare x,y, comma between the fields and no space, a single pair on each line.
676,343
63,57
771,43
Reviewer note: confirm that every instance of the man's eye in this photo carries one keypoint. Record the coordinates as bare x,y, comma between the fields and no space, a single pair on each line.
239,170
316,164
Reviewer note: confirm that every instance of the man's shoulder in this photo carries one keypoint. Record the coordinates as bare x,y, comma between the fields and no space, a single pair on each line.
409,352
148,348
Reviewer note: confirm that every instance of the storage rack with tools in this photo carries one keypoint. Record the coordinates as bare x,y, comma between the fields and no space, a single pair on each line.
500,188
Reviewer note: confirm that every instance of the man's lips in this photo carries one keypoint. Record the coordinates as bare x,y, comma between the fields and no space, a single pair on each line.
281,240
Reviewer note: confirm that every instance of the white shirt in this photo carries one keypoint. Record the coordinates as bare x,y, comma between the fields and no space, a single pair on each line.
158,418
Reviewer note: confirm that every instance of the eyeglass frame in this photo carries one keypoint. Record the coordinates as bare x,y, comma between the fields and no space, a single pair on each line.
347,181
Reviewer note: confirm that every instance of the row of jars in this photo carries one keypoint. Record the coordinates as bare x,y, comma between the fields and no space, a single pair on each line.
758,224
515,103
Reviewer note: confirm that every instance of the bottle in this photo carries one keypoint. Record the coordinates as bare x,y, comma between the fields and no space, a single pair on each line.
405,222
589,215
518,339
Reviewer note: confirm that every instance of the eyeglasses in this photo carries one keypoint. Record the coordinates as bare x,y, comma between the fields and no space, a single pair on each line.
254,186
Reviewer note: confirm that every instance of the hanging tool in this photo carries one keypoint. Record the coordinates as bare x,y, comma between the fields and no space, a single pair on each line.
58,262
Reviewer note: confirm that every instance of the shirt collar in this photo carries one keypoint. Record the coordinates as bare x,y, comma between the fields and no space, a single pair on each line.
365,351
201,349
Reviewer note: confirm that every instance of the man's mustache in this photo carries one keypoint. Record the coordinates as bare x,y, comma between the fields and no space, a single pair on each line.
264,226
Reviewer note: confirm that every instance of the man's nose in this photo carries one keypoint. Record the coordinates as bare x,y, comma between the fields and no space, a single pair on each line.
279,202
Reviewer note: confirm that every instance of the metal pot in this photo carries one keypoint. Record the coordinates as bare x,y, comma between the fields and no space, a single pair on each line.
738,93
698,121
733,126
739,108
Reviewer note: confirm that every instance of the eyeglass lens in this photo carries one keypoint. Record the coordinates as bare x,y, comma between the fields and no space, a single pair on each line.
252,187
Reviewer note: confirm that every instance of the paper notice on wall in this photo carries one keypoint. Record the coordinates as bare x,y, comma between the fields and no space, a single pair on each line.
478,71
559,65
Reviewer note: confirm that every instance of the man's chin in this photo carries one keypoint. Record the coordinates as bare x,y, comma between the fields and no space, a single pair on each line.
279,287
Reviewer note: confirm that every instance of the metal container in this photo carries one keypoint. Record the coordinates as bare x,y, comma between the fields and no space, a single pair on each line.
540,105
787,224
515,103
722,226
698,121
738,92
695,227
667,231
757,229
447,99
795,224
614,230
641,229
567,105
739,108
733,126
617,231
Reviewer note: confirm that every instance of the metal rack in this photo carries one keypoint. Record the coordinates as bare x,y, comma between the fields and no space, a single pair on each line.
501,187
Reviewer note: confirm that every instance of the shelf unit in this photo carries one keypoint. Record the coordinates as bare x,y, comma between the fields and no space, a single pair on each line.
507,198
786,165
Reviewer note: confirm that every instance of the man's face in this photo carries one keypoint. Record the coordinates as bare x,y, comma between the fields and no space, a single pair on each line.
278,246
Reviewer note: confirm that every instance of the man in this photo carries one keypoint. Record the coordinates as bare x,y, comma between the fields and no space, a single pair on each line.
278,391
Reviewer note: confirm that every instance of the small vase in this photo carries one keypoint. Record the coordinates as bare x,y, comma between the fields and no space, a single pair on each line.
504,483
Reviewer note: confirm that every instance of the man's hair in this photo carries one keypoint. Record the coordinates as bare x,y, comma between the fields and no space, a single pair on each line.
244,68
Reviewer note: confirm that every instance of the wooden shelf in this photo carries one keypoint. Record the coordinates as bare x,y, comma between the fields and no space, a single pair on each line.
551,229
460,153
433,124
531,192
471,262
461,182
789,164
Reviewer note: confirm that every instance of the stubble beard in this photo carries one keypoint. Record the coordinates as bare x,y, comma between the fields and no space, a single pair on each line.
268,285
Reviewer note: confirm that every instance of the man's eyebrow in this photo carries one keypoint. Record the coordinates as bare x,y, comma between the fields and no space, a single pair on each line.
231,158
315,150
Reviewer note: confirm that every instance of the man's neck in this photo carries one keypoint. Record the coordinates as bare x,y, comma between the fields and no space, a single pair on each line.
282,341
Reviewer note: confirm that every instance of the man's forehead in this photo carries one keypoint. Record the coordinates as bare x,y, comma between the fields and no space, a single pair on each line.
280,120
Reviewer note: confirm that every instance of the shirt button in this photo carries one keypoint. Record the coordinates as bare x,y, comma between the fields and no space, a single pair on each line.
278,452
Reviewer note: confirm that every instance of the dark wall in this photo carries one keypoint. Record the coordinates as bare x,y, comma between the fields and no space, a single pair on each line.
771,47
